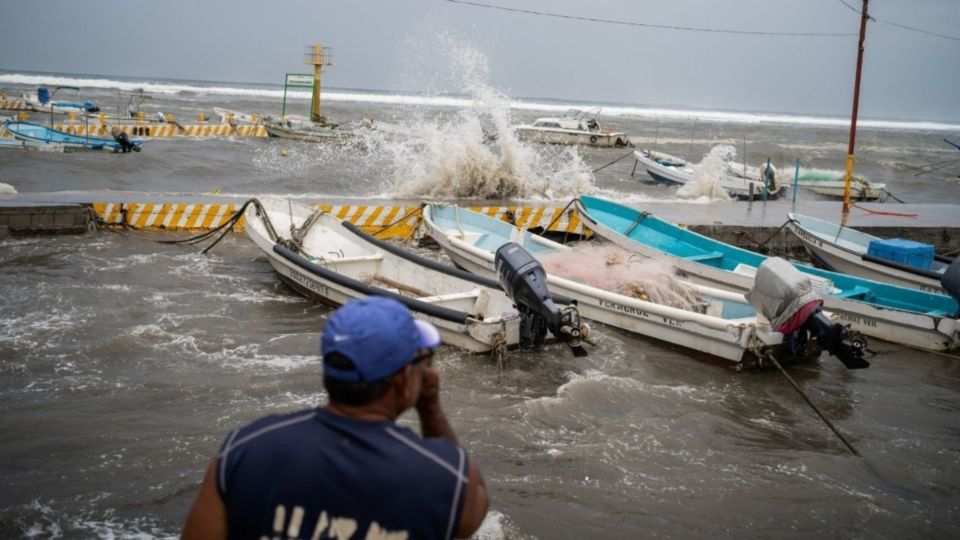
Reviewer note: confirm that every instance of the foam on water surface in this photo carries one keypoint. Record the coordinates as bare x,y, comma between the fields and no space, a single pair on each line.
184,88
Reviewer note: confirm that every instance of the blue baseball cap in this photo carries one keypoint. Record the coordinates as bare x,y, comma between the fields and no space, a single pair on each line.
378,335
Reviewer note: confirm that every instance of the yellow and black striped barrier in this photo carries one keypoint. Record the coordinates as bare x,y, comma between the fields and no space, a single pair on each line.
166,130
14,104
385,221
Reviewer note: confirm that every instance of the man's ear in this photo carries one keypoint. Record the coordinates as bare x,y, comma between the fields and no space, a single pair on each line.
401,383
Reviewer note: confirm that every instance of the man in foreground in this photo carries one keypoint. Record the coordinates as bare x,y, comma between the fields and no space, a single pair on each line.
348,470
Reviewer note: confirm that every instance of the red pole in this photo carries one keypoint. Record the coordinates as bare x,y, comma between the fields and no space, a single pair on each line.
848,174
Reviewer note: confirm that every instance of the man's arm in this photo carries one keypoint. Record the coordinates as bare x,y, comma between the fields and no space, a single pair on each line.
475,505
433,423
208,516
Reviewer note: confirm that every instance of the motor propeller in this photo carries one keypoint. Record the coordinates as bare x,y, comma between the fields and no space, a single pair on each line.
525,282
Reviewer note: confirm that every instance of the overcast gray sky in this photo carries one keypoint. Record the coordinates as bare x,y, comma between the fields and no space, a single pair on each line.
422,44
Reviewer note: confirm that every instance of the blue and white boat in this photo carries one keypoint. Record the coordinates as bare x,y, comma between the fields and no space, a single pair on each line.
28,131
40,101
842,249
889,312
675,171
719,323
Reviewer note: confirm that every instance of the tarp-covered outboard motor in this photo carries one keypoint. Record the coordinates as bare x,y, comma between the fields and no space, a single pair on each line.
785,296
525,282
951,280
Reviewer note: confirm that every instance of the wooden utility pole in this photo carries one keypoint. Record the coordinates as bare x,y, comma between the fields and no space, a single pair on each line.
848,174
318,56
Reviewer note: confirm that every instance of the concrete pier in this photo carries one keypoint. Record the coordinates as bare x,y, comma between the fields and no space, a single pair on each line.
49,218
739,223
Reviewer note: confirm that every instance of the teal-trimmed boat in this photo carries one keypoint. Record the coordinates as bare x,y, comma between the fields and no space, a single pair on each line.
889,312
722,324
28,131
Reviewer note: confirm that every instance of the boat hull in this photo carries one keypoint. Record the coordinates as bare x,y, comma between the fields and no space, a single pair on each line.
27,131
859,192
934,330
559,136
302,135
848,261
467,315
733,341
670,170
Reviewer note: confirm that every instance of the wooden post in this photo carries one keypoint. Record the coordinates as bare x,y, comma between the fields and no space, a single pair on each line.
848,173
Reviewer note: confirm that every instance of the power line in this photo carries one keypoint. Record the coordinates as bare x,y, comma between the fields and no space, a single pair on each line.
898,25
648,25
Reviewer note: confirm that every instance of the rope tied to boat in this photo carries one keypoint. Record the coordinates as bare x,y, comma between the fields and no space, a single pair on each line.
297,234
498,348
636,222
761,245
226,227
770,356
886,212
612,162
417,211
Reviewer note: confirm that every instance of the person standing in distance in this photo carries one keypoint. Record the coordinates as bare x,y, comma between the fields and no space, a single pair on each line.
347,470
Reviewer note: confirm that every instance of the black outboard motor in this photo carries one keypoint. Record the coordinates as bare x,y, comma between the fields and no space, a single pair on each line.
525,282
951,280
785,296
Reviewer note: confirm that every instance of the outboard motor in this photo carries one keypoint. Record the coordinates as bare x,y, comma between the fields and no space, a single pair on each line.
951,280
525,282
785,296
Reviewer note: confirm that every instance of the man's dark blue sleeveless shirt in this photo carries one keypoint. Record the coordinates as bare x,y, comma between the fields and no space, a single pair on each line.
315,474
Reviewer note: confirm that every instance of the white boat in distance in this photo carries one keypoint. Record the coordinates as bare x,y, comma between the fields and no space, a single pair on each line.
830,185
845,250
574,127
672,170
228,116
331,262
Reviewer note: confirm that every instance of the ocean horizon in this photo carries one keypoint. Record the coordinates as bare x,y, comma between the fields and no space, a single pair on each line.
171,86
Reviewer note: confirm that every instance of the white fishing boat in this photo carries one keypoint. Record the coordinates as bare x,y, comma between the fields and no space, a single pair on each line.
898,314
847,250
331,262
720,324
736,181
228,116
831,185
40,102
305,131
574,127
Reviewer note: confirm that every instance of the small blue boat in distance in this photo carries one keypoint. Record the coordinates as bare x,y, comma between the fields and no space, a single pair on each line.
28,131
889,312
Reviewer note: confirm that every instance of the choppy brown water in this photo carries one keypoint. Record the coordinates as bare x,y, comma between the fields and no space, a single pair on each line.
123,363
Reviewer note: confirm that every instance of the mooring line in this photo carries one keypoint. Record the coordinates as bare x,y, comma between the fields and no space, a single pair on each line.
814,407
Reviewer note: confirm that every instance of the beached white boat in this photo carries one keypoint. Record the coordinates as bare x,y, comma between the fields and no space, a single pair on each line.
306,132
332,262
228,116
574,127
40,102
846,250
898,314
672,170
830,185
719,323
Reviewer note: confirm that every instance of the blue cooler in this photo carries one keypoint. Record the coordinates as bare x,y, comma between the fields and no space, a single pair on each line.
902,251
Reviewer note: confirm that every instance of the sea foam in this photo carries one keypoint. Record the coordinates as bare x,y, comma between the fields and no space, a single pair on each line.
398,98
